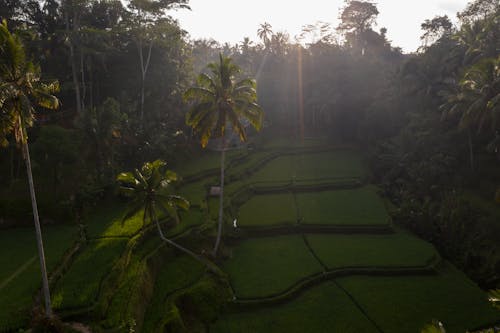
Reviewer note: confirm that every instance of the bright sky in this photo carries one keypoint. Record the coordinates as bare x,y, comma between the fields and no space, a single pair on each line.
232,20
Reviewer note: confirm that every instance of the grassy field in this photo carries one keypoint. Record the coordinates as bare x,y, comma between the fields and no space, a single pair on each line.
395,250
277,170
342,207
208,160
177,273
406,304
251,161
266,266
336,164
325,308
79,286
270,209
195,192
191,218
20,276
106,221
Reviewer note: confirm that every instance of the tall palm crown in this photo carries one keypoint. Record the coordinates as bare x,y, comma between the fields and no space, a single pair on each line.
265,32
20,88
220,100
150,189
477,99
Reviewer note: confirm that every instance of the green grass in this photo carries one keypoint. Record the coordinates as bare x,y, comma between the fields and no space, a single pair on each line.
326,165
322,309
343,207
20,276
267,266
406,304
335,164
177,273
294,143
191,218
270,209
251,161
396,250
207,160
277,170
106,221
79,287
195,192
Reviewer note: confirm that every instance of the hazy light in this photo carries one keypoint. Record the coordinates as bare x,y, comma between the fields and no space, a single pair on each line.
232,20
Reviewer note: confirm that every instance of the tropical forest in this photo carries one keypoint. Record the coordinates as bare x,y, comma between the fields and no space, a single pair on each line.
330,180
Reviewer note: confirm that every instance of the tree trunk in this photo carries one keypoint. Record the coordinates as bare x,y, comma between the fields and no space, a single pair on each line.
144,70
221,196
471,151
82,74
39,241
174,244
73,64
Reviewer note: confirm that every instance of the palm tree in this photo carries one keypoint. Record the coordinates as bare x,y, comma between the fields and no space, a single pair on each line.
20,90
150,189
476,99
265,32
219,100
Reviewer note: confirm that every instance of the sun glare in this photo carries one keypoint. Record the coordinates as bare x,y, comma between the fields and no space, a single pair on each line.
230,21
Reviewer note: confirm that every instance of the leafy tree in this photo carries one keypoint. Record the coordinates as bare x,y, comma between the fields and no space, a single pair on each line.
356,20
358,16
476,100
435,29
20,89
145,13
220,102
54,149
150,190
478,10
102,127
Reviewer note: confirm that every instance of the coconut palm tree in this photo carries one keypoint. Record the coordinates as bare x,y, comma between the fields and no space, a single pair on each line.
476,99
265,33
20,90
220,100
150,190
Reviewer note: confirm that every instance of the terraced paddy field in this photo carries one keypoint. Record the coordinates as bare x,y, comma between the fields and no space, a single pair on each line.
360,206
337,282
378,251
181,272
313,166
372,304
79,287
285,261
325,308
405,304
268,210
310,257
20,274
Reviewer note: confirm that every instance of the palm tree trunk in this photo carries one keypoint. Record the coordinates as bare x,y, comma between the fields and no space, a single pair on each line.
174,244
221,196
39,241
471,151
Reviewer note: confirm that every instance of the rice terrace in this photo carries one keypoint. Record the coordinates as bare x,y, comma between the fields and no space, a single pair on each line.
193,166
314,247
